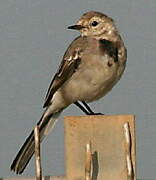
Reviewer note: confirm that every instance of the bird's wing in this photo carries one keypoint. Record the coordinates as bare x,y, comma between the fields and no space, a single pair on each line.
68,66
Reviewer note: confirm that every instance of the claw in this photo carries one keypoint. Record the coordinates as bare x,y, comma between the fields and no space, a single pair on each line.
96,114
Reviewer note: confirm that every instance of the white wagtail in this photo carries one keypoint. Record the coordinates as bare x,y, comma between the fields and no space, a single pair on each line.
91,66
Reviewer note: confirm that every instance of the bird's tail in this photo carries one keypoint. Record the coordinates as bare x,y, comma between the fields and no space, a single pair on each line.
27,150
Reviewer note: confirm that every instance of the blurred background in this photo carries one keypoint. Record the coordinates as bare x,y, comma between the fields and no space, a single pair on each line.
33,39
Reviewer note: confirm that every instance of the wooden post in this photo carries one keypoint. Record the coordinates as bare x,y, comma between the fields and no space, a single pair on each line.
37,154
112,147
88,162
128,144
97,148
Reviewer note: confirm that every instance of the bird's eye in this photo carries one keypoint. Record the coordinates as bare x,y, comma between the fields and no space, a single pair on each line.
94,23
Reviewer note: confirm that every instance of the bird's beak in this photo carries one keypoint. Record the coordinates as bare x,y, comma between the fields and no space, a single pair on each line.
76,27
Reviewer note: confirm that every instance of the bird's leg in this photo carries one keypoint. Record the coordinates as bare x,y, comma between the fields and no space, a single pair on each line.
89,109
82,108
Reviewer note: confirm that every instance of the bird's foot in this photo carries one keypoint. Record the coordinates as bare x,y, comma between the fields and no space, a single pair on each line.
86,109
96,114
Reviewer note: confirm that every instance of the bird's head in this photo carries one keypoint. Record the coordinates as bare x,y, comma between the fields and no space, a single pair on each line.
94,24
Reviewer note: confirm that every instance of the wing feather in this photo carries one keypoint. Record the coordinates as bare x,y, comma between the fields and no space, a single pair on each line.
66,69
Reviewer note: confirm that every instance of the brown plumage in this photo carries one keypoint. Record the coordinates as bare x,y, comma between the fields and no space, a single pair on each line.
91,66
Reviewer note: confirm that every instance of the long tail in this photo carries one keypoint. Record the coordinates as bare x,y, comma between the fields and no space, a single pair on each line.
27,150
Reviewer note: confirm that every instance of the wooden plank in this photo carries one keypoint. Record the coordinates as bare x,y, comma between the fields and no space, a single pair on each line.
37,154
45,178
109,146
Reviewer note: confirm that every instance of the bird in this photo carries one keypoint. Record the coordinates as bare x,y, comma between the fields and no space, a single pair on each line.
92,64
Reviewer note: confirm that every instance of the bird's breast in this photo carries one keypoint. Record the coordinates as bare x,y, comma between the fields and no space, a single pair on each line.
92,80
